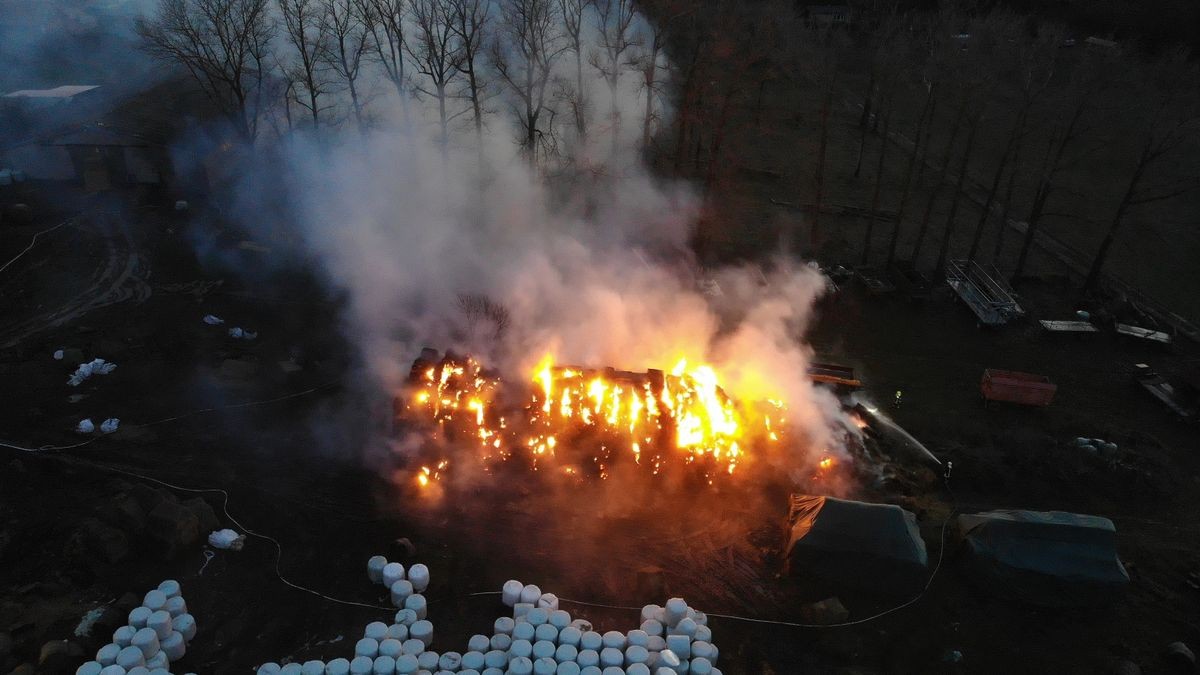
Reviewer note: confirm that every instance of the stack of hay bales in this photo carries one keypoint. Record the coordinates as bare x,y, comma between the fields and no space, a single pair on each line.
156,636
538,639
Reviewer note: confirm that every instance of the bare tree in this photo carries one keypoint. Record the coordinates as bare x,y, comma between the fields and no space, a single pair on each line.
1170,120
469,21
384,19
615,40
304,23
434,52
524,54
572,12
349,38
223,44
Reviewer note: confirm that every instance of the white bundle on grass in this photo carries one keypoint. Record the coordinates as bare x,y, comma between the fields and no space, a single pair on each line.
85,370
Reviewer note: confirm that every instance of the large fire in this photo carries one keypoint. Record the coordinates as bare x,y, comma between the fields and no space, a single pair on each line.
584,421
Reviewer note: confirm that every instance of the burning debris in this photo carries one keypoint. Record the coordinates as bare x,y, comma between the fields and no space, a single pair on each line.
583,421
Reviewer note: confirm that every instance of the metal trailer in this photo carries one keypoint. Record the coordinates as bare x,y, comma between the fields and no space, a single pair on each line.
1016,387
985,292
1068,327
1145,334
836,376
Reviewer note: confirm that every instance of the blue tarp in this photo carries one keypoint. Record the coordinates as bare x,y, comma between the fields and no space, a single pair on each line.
1047,558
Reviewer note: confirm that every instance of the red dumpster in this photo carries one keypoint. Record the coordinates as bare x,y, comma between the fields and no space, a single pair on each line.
1015,387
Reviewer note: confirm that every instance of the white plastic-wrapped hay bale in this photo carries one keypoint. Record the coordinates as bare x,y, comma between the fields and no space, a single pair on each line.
524,631
656,643
160,623
521,611
614,639
89,668
427,661
123,636
498,659
400,591
544,666
478,643
674,611
703,633
560,618
700,666
545,632
375,565
699,617
636,654
270,668
170,588
567,668
361,665
383,665
131,656
473,660
451,661
159,671
175,606
520,665
146,640
591,640
392,572
530,594
406,664
590,670
611,656
504,626
313,667
107,655
538,616
637,637
548,601
113,670
637,669
501,641
368,647
543,649
338,666
652,627
138,617
582,624
520,648
565,653
416,602
421,630
703,650
407,617
412,647
398,631
173,646
510,593
419,576
154,600
291,669
185,624
681,645
376,630
651,612
570,636
587,657
391,647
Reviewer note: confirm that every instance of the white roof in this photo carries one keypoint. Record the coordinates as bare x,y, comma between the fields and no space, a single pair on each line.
65,91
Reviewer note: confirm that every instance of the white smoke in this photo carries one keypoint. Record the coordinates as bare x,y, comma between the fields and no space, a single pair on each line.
594,268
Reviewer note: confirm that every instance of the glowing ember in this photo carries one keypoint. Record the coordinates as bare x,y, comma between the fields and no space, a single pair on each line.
589,419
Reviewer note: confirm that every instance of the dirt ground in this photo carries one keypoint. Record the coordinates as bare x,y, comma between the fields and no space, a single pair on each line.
128,287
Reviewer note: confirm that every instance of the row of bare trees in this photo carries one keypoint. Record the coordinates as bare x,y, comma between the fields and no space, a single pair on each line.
319,63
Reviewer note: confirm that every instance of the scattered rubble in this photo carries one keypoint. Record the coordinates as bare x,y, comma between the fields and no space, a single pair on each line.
239,333
96,366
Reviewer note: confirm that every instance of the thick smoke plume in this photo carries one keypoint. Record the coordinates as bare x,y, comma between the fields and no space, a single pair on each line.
589,260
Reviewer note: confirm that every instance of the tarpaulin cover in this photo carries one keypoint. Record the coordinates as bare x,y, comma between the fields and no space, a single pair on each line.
855,545
1047,558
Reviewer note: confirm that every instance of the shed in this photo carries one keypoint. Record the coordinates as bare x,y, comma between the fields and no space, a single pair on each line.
1046,558
96,155
852,545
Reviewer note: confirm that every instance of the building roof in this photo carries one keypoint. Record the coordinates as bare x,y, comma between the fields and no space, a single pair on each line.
64,92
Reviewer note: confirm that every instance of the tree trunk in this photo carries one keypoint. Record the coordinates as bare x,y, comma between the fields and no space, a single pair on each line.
906,187
887,120
1009,150
1007,206
943,250
441,95
1093,276
814,233
937,188
928,131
